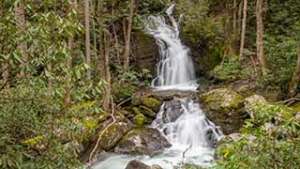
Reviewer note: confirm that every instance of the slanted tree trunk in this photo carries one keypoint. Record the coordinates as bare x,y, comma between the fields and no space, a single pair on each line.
21,26
87,36
126,55
260,36
293,85
243,34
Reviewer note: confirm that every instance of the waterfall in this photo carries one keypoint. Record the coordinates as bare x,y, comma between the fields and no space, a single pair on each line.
175,69
181,120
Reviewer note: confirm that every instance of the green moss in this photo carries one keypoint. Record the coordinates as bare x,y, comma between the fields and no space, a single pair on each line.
222,99
151,102
139,120
296,107
136,110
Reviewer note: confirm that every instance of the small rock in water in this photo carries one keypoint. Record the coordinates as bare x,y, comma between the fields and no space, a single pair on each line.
135,164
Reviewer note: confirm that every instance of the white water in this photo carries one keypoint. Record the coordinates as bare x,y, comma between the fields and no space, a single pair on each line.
175,69
191,134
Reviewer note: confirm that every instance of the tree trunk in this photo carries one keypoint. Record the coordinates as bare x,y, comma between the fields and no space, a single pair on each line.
239,19
87,36
21,27
234,22
259,36
243,34
128,36
296,78
107,97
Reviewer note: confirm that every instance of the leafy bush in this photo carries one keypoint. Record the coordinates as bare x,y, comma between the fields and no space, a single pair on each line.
231,69
270,140
37,131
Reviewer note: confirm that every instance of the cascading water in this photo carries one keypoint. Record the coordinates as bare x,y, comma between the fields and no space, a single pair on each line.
180,120
175,69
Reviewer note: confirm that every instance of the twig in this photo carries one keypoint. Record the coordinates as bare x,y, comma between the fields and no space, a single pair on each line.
183,156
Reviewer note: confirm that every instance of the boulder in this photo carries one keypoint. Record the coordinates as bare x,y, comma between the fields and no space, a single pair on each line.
225,108
135,164
252,102
113,134
142,141
172,111
262,111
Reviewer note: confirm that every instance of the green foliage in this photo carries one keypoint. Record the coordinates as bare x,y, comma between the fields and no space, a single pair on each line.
269,140
37,131
231,69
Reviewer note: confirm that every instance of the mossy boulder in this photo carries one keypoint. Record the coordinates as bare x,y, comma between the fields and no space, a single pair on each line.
142,141
262,111
222,99
152,103
113,134
225,108
147,104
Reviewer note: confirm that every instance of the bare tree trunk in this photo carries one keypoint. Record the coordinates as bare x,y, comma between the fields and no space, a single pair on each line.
296,78
21,26
128,36
107,97
87,36
259,36
244,23
234,23
239,20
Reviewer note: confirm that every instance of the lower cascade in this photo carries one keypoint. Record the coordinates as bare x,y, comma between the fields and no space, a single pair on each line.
181,120
192,136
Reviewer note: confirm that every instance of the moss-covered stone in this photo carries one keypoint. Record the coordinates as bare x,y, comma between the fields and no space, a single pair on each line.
139,119
222,99
261,111
225,108
113,134
152,103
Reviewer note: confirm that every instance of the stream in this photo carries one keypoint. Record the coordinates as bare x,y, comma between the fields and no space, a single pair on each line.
192,136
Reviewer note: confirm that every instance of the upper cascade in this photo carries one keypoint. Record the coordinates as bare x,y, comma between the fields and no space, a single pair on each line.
175,69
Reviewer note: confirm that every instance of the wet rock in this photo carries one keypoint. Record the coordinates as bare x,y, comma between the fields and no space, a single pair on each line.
113,134
145,51
172,111
135,164
142,141
225,108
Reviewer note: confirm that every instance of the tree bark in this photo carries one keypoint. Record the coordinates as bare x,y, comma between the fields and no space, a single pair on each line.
234,22
107,97
21,27
293,85
243,34
87,36
260,36
239,18
128,35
